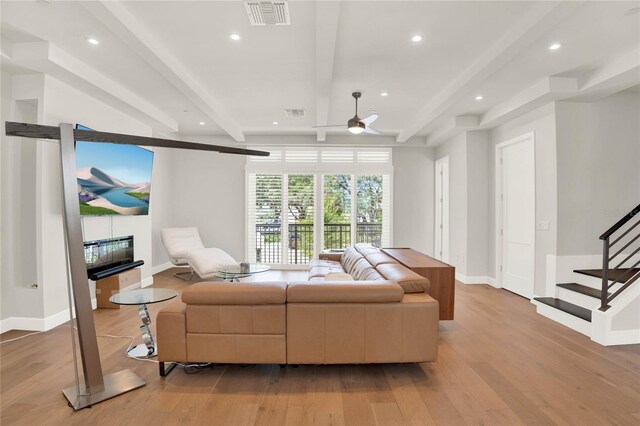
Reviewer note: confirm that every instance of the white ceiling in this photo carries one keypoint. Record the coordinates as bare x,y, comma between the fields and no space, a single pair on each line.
178,57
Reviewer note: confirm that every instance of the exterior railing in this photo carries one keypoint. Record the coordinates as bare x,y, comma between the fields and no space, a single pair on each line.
301,245
625,238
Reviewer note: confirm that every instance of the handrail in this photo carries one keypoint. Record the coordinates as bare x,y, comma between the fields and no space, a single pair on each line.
619,224
625,278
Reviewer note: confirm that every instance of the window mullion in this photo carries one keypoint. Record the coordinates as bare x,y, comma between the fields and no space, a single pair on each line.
284,229
319,214
354,208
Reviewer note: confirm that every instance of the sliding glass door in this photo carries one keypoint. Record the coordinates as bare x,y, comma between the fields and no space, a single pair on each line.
337,212
302,201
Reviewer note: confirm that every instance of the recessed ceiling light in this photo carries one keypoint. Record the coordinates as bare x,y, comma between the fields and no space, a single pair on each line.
202,123
93,41
234,37
416,38
384,94
479,98
275,123
555,46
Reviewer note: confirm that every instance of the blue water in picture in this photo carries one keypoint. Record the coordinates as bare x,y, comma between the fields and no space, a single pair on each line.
119,197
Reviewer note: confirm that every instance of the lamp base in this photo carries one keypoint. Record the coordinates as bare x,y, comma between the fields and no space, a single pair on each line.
114,384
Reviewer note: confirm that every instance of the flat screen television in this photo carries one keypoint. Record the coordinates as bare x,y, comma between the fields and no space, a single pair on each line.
113,179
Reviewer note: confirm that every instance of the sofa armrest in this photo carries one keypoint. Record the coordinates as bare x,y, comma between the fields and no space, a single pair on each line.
172,332
330,256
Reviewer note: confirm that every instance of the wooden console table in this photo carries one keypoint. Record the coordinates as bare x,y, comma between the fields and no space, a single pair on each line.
441,275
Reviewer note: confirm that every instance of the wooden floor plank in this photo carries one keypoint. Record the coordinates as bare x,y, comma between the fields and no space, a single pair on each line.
499,363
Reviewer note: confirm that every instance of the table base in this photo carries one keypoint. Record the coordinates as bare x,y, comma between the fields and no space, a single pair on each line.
142,351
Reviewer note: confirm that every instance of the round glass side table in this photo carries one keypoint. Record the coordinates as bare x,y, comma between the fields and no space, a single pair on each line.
233,273
142,298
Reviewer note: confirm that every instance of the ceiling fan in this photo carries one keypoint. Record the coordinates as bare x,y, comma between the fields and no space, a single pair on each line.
358,125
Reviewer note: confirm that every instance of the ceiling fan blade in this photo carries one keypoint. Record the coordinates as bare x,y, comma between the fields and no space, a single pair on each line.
372,131
330,125
370,119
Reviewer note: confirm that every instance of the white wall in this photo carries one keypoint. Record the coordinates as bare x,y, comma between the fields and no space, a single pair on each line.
65,104
162,207
19,251
413,194
478,183
542,123
207,190
56,102
599,169
456,149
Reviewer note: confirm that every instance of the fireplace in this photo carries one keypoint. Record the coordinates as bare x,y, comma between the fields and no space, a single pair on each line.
108,256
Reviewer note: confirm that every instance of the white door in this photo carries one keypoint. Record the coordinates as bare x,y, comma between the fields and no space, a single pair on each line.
517,172
442,210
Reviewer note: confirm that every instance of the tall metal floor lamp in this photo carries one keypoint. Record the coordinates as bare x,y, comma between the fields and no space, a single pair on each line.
97,387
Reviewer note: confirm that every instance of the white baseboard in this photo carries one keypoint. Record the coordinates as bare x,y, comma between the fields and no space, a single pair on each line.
476,280
620,337
161,268
38,324
146,282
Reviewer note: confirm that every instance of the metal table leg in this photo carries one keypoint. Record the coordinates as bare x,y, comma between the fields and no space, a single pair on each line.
149,348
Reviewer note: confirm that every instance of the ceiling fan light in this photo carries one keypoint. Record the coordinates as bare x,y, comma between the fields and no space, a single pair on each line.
356,128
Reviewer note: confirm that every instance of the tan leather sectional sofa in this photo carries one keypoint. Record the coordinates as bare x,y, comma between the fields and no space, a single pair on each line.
364,262
373,320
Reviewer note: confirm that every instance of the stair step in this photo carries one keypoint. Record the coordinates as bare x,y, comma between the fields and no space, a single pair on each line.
613,275
570,308
583,289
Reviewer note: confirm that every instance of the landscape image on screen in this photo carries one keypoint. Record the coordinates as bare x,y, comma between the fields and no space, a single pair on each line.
113,179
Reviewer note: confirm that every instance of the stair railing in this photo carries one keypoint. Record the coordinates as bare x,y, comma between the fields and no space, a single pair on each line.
612,275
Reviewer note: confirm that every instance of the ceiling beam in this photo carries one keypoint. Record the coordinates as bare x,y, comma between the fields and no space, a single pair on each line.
452,128
327,17
48,59
536,22
546,90
619,74
117,17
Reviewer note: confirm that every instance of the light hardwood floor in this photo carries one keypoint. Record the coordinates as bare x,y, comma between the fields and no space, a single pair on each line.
499,363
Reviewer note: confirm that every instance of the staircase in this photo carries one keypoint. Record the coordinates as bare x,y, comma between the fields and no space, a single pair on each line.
603,303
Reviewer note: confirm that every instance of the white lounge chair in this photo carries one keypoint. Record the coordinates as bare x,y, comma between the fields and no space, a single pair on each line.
185,248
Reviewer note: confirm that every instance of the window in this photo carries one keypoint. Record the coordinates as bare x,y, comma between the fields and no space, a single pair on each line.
330,199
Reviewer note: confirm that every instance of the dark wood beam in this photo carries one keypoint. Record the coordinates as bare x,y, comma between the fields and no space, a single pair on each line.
37,131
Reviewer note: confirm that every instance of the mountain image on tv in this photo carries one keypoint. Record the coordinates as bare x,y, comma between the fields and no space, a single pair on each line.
113,179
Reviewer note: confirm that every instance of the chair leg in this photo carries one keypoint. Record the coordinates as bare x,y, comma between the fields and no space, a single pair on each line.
186,276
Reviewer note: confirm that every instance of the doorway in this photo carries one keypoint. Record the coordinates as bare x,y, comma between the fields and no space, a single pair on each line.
441,231
515,214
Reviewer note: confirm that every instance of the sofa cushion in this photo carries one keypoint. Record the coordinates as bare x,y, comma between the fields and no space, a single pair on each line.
365,249
378,258
370,274
321,271
224,293
322,262
358,268
338,276
344,292
349,258
405,277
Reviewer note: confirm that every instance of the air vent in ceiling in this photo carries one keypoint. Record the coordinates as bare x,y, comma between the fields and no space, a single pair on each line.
268,12
295,112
